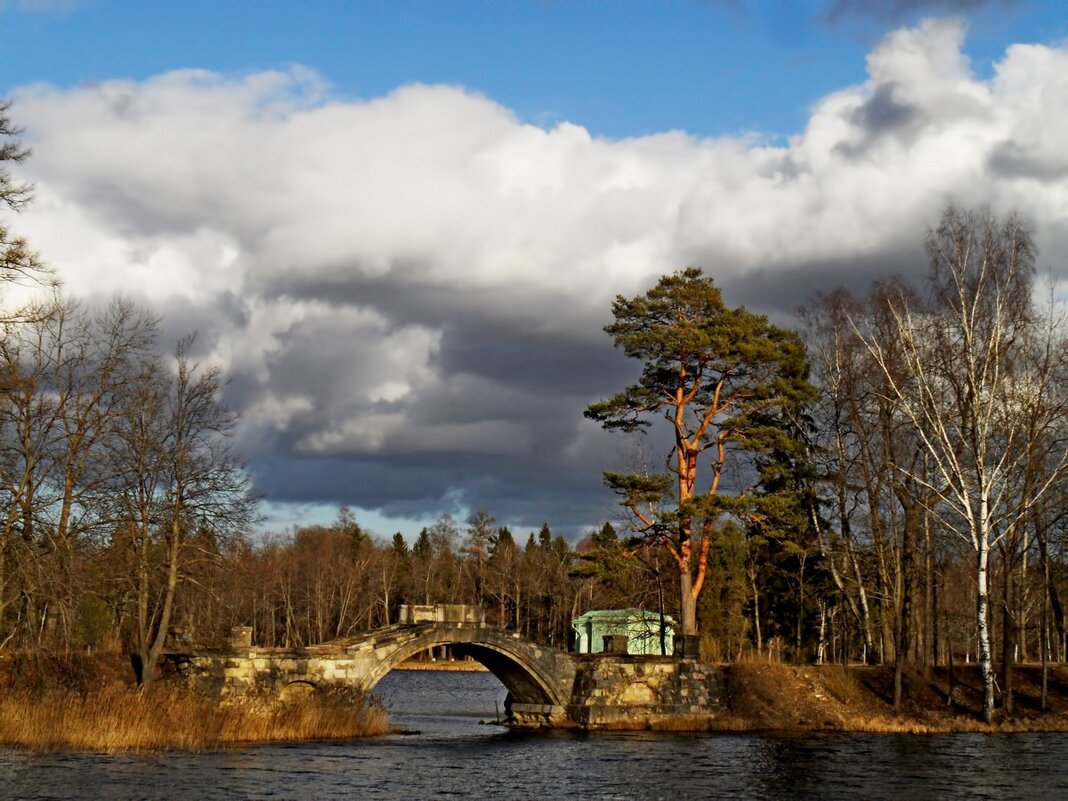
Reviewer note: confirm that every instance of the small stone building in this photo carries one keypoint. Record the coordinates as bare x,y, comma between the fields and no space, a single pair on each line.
641,627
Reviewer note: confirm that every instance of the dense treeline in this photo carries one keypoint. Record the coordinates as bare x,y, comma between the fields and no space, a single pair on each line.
884,484
326,582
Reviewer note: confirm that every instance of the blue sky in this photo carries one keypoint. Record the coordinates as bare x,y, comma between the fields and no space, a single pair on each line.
618,68
398,226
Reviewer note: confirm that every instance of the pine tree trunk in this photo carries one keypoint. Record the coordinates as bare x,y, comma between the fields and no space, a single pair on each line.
1045,623
821,648
687,603
903,647
756,614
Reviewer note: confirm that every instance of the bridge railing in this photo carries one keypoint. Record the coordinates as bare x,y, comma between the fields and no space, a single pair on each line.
460,614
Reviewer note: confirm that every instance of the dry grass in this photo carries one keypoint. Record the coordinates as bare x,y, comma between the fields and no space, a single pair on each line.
116,719
842,683
770,655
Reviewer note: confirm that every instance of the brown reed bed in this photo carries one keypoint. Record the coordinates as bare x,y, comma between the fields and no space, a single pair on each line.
118,718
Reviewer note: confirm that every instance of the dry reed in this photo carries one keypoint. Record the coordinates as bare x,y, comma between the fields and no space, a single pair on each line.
841,682
117,718
711,650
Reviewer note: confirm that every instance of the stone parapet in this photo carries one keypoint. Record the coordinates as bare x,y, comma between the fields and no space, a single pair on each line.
461,614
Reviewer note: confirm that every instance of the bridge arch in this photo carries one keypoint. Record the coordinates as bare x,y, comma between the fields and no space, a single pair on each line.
533,675
298,687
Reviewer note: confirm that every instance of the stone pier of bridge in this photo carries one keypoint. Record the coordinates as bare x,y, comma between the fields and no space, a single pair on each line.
547,687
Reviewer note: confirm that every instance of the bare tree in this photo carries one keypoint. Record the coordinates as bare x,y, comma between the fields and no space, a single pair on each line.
841,441
476,546
176,472
28,416
92,367
966,384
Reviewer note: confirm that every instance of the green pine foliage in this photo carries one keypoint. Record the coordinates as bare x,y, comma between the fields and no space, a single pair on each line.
715,374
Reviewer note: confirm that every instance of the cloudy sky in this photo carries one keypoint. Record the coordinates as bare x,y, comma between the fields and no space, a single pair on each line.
399,226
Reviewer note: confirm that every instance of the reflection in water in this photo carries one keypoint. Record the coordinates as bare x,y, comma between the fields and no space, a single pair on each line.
454,756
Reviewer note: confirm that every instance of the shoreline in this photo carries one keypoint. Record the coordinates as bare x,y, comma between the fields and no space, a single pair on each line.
772,697
760,698
775,698
445,666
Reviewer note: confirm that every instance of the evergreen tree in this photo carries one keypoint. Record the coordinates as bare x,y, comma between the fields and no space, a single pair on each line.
708,369
401,551
422,549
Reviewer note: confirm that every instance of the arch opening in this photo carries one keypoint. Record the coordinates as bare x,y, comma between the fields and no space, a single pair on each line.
297,688
522,680
523,686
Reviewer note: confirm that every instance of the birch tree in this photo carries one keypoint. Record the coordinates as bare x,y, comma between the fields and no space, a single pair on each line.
964,380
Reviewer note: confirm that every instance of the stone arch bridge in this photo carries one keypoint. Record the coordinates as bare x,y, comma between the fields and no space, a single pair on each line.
547,686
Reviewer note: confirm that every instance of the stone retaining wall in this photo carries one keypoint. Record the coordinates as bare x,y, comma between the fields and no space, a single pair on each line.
641,691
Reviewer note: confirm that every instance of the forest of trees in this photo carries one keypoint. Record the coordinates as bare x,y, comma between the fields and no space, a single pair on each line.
326,582
885,482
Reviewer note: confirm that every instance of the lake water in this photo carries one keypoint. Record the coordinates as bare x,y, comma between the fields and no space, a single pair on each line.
454,755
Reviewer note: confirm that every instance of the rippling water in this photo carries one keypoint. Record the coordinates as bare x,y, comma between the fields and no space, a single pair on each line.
453,755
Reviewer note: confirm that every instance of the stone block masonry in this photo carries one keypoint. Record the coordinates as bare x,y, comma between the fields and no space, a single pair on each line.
636,692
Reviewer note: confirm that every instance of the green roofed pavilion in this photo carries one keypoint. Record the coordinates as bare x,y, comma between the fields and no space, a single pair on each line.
641,627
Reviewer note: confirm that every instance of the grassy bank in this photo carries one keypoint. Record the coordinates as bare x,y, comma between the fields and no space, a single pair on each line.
118,718
860,699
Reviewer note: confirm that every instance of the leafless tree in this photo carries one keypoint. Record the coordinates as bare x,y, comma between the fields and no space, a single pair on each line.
966,384
480,531
841,440
176,472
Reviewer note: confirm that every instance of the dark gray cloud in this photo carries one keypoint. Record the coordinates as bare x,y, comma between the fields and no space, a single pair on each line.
880,116
883,112
1013,160
778,290
498,423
